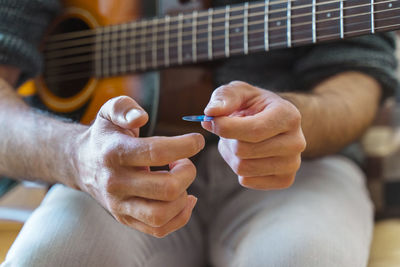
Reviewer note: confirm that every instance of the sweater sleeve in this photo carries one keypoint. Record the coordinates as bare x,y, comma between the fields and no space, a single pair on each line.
373,55
22,25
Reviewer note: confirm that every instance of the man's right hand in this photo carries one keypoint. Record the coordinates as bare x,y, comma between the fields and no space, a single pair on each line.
113,165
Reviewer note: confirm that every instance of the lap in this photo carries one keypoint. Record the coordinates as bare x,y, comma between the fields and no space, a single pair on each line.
324,219
71,229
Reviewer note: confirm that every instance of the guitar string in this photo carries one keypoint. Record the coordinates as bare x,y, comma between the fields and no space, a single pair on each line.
52,55
201,14
52,45
114,53
89,75
144,49
64,51
61,76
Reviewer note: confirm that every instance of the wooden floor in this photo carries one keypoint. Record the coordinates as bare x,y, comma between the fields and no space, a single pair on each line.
8,233
15,207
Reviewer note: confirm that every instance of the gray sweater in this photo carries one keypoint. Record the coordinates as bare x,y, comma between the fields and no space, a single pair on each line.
23,22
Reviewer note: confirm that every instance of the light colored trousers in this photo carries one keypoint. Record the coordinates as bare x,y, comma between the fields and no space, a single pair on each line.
325,219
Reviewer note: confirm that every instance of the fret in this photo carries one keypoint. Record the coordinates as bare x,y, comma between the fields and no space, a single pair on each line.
357,17
180,25
246,28
132,47
106,51
124,48
166,40
387,15
98,52
210,33
194,36
143,42
219,33
328,20
314,25
256,31
277,25
288,23
341,20
237,30
187,39
154,43
202,36
372,17
266,28
115,61
303,22
227,47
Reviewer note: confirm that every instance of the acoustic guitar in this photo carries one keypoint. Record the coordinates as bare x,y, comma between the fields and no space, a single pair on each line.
100,49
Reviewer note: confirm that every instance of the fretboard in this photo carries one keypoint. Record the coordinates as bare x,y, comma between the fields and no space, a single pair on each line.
228,31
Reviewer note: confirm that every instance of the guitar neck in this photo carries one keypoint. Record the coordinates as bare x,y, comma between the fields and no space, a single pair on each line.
241,29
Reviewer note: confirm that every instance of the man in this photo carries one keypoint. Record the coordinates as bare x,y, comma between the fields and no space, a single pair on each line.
110,207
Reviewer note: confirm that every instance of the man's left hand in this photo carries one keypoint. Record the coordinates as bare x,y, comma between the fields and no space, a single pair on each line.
260,134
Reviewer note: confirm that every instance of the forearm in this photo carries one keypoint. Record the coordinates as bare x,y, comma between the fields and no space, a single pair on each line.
336,112
34,146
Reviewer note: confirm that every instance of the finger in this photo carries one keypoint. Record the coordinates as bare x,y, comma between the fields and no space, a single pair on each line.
277,117
280,145
229,98
270,182
262,166
176,223
158,185
151,212
124,112
160,151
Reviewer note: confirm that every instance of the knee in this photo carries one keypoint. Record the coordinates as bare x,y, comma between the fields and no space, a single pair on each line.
298,252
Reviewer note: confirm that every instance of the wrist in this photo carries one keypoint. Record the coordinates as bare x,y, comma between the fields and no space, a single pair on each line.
74,156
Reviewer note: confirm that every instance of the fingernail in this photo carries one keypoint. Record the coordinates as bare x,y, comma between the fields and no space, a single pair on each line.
201,142
215,104
133,114
194,201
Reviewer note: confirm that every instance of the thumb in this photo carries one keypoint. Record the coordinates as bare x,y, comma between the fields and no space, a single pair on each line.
124,112
228,98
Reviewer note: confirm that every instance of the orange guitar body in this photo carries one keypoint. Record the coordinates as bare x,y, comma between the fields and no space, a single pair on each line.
177,97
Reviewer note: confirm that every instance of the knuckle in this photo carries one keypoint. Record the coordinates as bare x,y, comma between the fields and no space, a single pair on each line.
239,149
240,167
286,181
159,233
294,118
111,151
120,101
157,155
111,183
171,190
237,83
122,219
157,218
300,144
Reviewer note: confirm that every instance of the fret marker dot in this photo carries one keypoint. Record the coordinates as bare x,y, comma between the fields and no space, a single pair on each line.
278,23
187,56
328,15
390,5
237,30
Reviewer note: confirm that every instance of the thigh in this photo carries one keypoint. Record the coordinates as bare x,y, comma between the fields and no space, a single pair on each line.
324,219
71,229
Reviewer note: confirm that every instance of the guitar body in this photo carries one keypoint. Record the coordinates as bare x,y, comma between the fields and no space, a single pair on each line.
174,92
